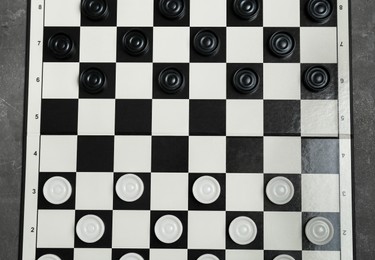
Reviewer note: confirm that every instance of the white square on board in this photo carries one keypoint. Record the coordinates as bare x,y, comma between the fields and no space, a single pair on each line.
62,13
318,44
244,117
134,80
208,81
320,193
282,81
170,117
171,44
96,117
244,254
60,85
207,154
98,44
244,192
132,154
168,254
208,13
92,253
135,13
206,229
58,153
321,255
245,44
131,229
319,118
56,228
282,231
169,191
285,13
282,155
94,191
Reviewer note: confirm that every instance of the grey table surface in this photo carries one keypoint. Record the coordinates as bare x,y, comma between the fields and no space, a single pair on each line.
12,69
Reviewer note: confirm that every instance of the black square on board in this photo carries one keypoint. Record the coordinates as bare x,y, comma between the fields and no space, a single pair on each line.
181,242
143,203
43,203
106,240
59,117
95,153
320,155
123,56
234,20
158,92
133,117
282,117
109,20
335,243
268,254
269,56
245,154
330,92
71,32
219,204
194,254
207,117
182,20
294,204
63,253
232,68
306,19
257,217
220,55
118,253
109,70
170,154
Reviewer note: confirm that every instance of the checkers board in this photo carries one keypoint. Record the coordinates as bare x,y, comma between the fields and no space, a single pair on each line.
187,130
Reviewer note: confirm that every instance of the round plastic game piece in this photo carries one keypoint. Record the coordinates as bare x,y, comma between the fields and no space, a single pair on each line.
208,257
206,43
246,9
280,190
316,78
243,230
281,44
90,228
319,231
95,9
131,256
168,229
49,257
284,257
171,80
135,43
61,46
172,9
93,80
57,190
206,189
319,10
129,187
245,81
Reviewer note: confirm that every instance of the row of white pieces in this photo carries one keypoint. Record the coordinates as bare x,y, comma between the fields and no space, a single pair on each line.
206,189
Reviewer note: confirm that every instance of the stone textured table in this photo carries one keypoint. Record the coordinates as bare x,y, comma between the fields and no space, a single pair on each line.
12,60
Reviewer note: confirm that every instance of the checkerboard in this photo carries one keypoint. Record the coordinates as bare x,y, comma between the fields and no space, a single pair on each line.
169,140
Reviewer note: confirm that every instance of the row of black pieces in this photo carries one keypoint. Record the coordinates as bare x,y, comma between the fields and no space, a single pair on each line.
205,42
172,80
319,11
